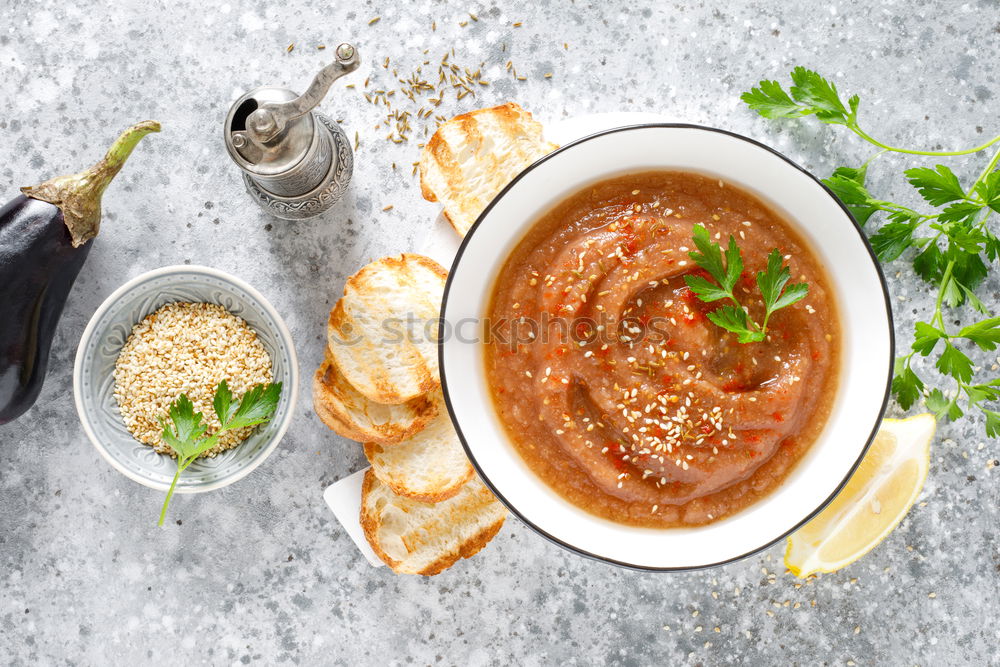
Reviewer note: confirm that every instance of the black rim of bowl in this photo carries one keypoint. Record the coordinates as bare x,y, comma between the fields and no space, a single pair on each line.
767,544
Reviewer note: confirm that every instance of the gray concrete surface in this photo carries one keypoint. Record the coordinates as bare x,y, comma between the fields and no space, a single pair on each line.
261,573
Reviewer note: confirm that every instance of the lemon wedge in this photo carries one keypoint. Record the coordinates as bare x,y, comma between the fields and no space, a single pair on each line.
875,500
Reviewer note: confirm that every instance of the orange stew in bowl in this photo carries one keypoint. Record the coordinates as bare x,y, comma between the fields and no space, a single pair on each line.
614,386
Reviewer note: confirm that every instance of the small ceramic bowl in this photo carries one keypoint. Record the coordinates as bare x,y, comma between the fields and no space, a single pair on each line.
109,328
866,353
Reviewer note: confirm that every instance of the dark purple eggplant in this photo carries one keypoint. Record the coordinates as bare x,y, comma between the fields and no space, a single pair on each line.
45,236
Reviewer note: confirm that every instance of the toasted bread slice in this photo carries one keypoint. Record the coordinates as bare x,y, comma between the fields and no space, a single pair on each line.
382,332
430,466
351,414
413,537
473,156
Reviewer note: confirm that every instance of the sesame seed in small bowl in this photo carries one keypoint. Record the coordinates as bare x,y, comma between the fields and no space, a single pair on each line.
184,331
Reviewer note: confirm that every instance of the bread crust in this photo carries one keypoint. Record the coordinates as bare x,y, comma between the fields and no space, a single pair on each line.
398,483
467,550
498,142
383,293
371,523
349,413
429,466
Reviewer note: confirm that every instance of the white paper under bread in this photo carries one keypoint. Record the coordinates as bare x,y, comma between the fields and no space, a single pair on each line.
441,244
344,498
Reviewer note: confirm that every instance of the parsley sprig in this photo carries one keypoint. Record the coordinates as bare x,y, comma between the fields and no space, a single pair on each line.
812,95
773,284
185,435
950,246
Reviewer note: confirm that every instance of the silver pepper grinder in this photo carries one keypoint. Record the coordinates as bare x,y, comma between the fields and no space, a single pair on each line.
296,162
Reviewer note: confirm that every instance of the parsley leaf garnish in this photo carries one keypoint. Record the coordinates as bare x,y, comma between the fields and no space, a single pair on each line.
954,362
893,238
734,319
848,184
257,406
985,334
992,423
820,97
938,186
773,284
906,385
771,101
950,246
811,94
710,259
184,433
989,190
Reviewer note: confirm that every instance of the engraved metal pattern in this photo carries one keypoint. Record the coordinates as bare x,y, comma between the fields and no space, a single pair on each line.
309,174
326,195
96,381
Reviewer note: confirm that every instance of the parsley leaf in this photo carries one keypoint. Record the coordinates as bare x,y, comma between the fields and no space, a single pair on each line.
992,423
706,290
772,282
773,279
942,406
734,319
257,406
989,190
185,436
973,300
171,438
970,239
929,264
820,96
848,185
810,94
793,294
936,402
906,385
926,338
969,272
985,334
710,258
892,239
187,426
960,211
223,402
771,101
991,245
979,393
938,186
955,363
734,264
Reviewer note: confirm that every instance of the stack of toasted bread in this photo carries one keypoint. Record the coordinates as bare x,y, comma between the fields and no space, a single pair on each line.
422,507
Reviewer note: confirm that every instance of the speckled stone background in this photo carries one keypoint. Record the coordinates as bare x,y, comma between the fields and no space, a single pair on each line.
261,573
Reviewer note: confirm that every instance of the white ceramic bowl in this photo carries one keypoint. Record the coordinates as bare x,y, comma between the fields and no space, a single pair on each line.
866,359
109,328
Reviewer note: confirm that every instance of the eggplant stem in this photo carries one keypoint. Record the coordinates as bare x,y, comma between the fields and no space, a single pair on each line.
79,195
